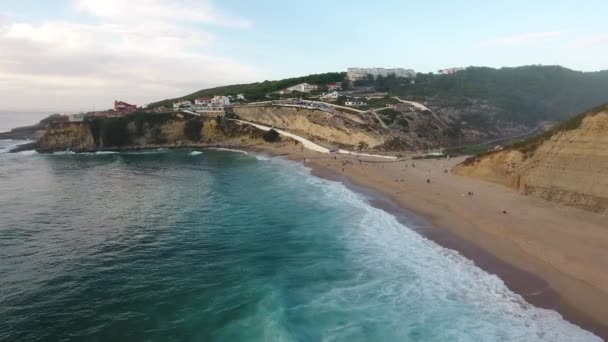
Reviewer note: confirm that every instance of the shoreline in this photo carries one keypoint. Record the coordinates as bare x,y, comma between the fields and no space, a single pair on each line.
538,282
533,288
542,284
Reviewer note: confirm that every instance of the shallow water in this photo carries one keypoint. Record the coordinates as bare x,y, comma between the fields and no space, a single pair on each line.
174,246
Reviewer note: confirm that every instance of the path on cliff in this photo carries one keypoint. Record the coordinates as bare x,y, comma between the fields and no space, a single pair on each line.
422,107
309,144
375,112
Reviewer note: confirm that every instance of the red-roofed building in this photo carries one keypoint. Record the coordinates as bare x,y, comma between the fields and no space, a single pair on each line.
123,107
203,101
334,86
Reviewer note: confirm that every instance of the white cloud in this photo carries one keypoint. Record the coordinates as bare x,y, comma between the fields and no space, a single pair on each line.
70,66
201,11
592,41
519,39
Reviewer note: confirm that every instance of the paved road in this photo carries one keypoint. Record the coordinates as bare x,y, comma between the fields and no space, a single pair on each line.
311,145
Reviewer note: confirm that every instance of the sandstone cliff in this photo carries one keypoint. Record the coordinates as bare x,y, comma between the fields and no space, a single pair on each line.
339,128
146,131
568,165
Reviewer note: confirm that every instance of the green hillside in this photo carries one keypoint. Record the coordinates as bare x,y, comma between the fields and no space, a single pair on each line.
526,94
257,91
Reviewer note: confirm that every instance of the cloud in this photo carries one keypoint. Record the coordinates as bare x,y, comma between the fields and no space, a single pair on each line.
592,41
201,11
520,39
68,65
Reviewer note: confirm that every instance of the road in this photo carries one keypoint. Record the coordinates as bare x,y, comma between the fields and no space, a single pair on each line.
423,107
309,144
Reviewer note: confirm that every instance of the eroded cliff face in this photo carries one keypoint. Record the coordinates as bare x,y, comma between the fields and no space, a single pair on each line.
569,167
74,136
341,129
148,131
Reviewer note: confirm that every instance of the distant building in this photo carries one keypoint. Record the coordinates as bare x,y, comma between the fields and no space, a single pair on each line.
334,86
355,74
182,104
123,107
355,103
240,97
403,107
333,96
449,71
303,88
103,114
220,101
283,92
203,101
77,117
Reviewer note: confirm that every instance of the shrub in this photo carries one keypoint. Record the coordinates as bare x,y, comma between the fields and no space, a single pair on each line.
272,136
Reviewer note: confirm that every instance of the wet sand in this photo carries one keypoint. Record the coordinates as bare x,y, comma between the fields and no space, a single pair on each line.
554,256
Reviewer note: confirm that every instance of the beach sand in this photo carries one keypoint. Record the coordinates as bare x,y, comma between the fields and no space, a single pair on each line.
554,256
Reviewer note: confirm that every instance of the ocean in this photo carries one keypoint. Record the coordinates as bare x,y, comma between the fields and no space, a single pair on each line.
227,246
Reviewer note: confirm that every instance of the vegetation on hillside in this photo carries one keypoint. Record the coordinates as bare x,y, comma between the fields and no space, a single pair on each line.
527,94
257,91
529,146
522,95
272,136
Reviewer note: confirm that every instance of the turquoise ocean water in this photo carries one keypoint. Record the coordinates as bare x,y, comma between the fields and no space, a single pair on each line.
226,246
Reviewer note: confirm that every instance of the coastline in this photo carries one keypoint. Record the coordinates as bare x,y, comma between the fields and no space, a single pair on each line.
466,229
441,212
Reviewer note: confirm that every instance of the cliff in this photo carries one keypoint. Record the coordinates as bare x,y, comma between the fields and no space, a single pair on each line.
350,130
568,164
146,130
338,128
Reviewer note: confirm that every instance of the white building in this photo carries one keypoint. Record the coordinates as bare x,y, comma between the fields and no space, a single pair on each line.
355,103
240,97
355,74
76,117
449,71
303,88
182,104
220,101
333,96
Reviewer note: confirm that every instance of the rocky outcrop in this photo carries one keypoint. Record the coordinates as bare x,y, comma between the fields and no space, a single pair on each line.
69,136
568,165
146,131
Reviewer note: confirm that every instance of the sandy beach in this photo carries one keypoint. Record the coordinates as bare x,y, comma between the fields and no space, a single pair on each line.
552,255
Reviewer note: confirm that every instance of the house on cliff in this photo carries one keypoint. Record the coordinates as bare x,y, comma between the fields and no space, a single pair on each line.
123,107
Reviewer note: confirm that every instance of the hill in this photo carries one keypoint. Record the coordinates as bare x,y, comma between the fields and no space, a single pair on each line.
477,103
567,164
526,94
257,91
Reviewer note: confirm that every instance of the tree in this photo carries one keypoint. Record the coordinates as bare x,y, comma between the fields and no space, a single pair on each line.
272,136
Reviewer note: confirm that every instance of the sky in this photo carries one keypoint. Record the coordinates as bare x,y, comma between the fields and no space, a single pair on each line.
81,55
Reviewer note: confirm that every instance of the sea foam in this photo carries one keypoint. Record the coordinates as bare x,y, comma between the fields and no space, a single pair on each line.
228,150
421,284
